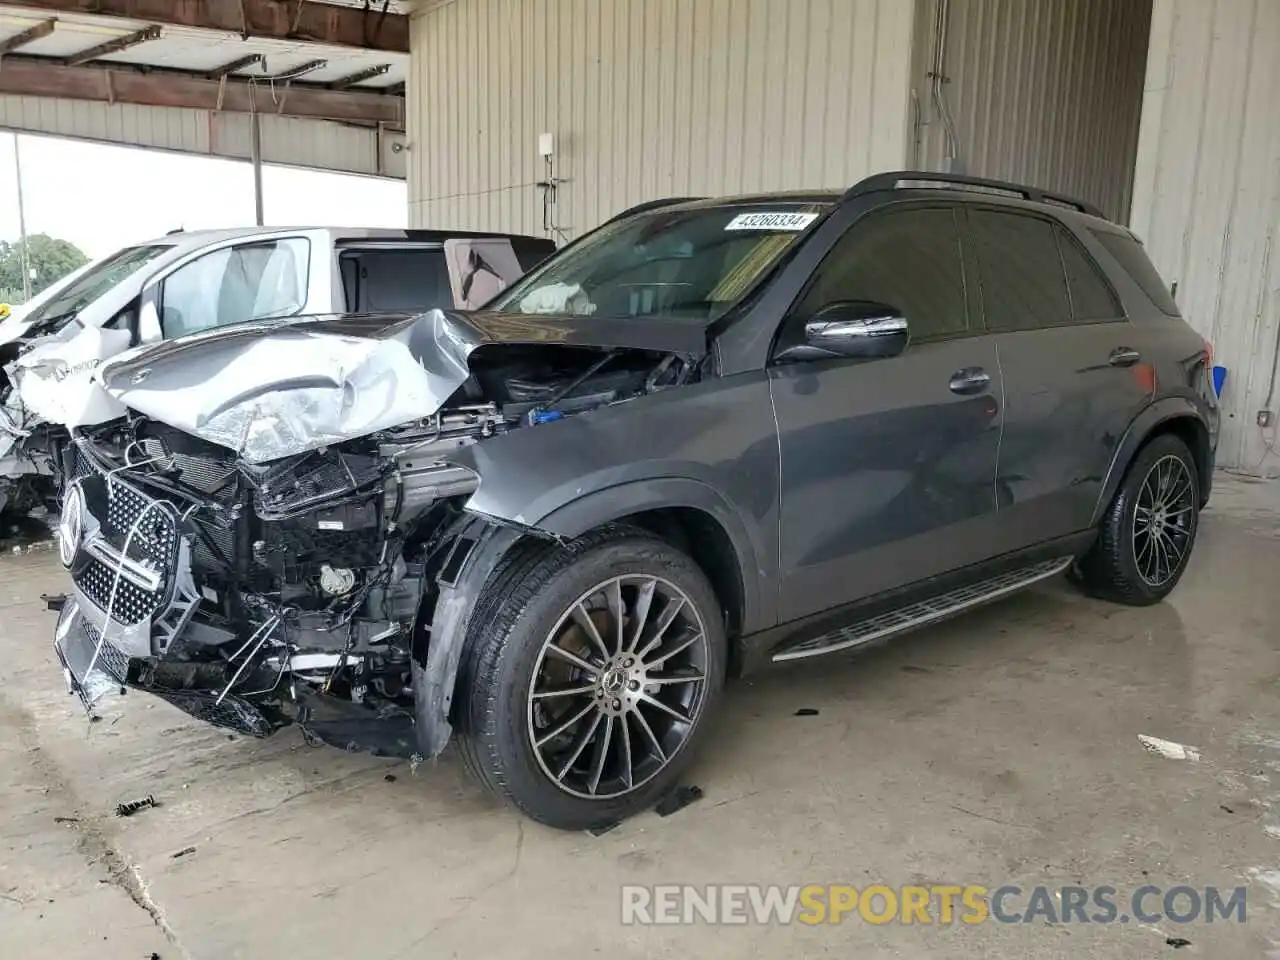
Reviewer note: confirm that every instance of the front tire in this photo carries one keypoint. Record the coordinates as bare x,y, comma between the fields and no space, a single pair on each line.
1149,528
589,673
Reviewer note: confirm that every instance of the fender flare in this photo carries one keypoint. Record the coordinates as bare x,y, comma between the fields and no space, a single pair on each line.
490,539
576,517
1137,433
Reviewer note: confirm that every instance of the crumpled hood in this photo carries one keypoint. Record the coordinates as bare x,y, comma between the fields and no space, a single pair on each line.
53,379
276,389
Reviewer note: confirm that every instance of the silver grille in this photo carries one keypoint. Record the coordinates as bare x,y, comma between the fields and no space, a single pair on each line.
132,603
132,517
147,527
110,657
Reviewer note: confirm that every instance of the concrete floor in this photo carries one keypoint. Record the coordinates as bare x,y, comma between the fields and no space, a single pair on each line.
999,748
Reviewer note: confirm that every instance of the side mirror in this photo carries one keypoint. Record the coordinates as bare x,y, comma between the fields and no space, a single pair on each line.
149,329
851,328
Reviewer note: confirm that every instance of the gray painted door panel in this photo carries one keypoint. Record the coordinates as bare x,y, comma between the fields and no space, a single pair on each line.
887,475
1066,409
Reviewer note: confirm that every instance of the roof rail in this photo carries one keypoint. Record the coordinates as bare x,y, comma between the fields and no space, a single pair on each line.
928,179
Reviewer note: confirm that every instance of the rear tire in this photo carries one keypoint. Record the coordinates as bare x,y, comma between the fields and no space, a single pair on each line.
1149,529
518,697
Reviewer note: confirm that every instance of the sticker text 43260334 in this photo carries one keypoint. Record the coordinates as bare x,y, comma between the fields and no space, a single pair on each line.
781,220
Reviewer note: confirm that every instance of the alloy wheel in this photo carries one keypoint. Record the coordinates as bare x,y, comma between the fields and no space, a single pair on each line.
1163,520
618,686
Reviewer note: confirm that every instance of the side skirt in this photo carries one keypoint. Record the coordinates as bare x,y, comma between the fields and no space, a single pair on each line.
911,606
924,612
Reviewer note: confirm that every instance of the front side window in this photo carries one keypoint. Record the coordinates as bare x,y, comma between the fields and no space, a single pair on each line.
95,282
905,259
252,281
689,262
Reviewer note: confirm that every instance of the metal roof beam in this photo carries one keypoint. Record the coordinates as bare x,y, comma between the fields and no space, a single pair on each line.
293,73
369,29
27,36
111,46
235,65
107,83
359,77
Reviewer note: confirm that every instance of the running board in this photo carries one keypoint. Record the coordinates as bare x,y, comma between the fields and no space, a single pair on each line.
925,611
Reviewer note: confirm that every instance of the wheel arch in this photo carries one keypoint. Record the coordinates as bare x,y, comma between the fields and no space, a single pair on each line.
686,513
690,515
1174,415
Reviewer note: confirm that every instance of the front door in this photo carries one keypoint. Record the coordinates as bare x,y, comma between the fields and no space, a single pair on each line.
888,465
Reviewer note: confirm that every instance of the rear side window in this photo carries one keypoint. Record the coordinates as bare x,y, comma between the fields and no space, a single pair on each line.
1023,283
1091,296
908,259
396,280
1131,255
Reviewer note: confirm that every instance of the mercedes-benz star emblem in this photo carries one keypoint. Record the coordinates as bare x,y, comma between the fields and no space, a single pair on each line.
71,524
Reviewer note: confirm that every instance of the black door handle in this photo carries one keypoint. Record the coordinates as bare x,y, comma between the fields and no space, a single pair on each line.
1124,357
969,380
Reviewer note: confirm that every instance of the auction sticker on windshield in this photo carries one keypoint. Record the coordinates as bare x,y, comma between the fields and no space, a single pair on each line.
771,221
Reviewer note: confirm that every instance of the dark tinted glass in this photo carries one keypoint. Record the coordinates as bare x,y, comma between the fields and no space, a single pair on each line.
683,262
1091,296
1138,265
395,280
906,259
1023,285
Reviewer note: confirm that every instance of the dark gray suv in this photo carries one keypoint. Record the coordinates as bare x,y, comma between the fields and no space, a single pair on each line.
709,435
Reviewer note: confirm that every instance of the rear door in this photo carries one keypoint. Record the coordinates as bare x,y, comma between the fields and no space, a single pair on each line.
888,464
1073,377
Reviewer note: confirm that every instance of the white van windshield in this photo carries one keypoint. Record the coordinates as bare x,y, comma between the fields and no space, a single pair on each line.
95,282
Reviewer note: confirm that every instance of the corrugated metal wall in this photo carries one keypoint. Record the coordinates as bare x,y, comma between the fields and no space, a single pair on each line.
1045,93
287,140
648,98
1207,196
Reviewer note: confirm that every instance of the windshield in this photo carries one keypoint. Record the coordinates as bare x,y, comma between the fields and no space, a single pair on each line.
689,263
96,281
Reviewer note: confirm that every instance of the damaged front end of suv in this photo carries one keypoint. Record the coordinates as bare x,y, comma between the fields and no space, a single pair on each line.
266,537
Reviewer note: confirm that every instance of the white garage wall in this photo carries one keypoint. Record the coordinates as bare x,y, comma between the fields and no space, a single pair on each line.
647,98
1043,93
1206,196
319,144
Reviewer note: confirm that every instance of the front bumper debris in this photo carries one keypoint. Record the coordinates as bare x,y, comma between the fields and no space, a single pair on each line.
93,667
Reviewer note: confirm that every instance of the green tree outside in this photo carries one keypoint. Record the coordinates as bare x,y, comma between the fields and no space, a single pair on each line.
50,257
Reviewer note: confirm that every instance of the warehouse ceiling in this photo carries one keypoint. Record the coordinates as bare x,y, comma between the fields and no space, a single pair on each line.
344,61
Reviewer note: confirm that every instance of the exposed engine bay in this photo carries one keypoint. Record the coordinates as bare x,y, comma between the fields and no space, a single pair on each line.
256,594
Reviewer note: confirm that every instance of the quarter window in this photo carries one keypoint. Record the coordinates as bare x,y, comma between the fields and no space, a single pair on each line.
252,281
907,259
1133,257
